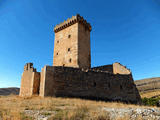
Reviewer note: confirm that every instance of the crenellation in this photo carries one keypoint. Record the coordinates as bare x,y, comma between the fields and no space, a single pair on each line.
29,67
71,21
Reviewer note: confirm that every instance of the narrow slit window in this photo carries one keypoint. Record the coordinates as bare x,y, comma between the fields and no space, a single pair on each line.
70,60
69,49
121,87
109,85
69,36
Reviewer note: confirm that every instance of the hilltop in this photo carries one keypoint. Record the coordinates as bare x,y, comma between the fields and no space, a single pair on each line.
9,91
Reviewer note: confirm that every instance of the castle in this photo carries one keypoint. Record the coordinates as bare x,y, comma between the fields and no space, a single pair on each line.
71,74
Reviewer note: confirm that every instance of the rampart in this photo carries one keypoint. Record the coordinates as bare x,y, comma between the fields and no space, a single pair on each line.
115,68
89,84
108,68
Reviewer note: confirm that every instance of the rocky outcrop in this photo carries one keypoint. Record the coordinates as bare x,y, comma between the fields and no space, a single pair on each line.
133,113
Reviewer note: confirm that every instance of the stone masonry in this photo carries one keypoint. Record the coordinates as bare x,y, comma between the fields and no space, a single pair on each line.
71,74
72,43
30,81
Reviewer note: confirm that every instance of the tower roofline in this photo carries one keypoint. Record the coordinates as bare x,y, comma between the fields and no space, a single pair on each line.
71,21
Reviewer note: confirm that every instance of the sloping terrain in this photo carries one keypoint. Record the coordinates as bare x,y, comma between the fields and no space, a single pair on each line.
149,87
50,108
9,91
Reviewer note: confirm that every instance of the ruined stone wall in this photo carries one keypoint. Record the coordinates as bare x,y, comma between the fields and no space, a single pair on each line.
36,83
74,82
120,69
30,81
108,68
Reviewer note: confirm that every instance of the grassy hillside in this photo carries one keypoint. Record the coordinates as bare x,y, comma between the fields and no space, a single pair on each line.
149,87
9,91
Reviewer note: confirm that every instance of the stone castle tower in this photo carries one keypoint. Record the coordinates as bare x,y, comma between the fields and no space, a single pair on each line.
72,43
71,74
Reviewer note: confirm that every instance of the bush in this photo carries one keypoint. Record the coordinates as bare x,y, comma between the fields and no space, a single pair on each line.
150,101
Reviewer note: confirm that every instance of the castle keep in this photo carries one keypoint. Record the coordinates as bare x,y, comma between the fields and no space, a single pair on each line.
72,43
71,74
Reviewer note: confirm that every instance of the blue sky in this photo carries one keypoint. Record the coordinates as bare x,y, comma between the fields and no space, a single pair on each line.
125,31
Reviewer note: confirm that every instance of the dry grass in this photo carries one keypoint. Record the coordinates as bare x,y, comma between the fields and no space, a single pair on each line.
150,94
12,107
146,85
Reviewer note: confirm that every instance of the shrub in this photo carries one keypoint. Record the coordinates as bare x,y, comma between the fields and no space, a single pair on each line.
150,101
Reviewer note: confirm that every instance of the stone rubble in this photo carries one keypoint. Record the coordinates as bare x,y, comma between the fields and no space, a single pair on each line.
39,114
132,113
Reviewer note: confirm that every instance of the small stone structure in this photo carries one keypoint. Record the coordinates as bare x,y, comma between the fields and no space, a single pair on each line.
71,74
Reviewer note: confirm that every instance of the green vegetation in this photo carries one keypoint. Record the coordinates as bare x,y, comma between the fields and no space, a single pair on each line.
150,101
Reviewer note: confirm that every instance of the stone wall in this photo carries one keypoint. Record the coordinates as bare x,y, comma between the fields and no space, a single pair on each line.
108,68
120,69
30,81
84,53
66,47
74,82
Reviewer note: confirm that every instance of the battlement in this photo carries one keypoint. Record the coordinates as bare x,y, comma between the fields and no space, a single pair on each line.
29,67
71,21
75,70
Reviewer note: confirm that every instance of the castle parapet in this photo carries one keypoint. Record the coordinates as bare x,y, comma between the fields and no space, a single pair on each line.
115,68
29,67
72,21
